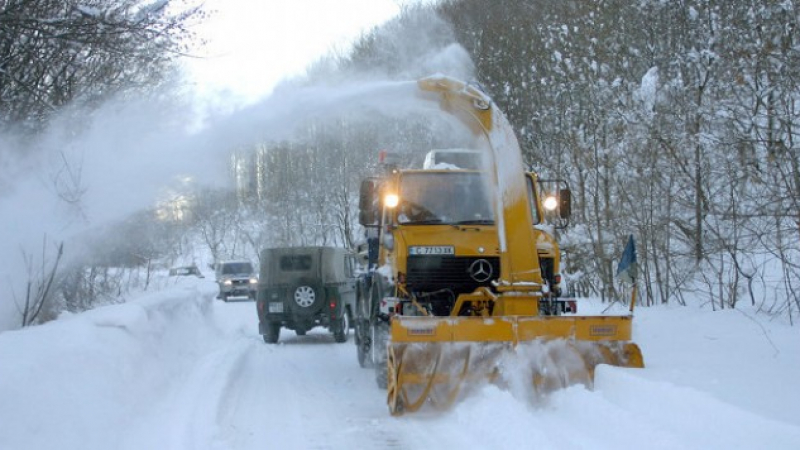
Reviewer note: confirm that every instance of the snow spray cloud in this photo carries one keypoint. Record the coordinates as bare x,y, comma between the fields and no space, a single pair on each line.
100,168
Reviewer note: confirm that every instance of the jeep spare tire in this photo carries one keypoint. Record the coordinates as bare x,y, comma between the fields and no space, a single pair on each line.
306,298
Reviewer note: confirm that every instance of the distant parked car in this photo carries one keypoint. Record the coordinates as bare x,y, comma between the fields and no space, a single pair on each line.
304,287
236,279
184,271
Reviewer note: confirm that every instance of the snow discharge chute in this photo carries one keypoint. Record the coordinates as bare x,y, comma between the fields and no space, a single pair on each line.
462,295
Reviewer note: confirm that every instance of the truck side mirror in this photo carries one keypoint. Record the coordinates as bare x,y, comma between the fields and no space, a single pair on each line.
368,203
565,203
557,201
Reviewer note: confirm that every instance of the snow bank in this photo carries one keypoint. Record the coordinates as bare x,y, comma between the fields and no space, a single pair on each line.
80,380
683,417
178,370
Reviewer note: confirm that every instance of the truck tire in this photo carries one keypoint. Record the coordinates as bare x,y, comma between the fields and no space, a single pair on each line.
379,333
362,333
363,344
380,339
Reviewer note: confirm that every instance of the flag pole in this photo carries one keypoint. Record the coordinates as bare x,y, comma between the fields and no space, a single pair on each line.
627,269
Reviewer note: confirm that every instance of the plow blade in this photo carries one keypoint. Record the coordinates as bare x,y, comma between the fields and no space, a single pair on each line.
434,361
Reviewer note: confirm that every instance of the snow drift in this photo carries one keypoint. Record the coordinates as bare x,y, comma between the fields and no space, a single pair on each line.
177,369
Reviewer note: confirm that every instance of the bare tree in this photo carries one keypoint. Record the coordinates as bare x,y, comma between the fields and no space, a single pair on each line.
215,214
39,287
54,52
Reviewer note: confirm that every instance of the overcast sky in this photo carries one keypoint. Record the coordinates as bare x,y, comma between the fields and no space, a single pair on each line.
253,44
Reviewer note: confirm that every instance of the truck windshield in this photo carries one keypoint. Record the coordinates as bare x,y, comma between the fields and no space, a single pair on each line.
452,197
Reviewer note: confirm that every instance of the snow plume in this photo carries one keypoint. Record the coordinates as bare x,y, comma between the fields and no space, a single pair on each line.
88,170
413,45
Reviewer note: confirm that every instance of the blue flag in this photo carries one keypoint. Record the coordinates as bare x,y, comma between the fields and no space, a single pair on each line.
628,268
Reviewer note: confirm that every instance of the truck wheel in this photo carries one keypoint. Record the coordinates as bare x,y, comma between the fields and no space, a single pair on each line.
378,334
361,328
342,329
273,332
380,339
363,347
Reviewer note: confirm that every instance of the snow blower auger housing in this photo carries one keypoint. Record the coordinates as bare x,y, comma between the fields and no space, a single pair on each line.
464,286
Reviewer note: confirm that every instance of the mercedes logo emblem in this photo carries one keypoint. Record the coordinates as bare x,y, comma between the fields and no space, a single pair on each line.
480,270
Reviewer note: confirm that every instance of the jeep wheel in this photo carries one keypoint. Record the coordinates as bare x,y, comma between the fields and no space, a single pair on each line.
273,332
341,329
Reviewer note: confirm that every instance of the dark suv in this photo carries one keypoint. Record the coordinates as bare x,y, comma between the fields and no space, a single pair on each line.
304,287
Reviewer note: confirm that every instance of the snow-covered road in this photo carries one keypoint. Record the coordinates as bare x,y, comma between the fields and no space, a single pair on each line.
179,370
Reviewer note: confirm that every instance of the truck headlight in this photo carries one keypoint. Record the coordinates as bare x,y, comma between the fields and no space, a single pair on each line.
391,200
550,203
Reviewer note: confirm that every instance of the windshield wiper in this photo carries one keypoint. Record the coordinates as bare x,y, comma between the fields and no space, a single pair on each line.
476,222
424,222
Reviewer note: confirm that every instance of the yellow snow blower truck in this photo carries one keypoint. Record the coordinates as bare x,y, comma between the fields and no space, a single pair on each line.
463,286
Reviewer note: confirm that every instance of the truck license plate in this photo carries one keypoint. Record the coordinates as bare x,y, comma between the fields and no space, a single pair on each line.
432,250
275,307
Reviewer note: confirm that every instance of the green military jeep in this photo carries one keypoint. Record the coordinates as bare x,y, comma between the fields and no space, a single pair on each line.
304,287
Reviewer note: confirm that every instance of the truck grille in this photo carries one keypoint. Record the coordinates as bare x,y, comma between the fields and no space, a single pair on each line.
430,273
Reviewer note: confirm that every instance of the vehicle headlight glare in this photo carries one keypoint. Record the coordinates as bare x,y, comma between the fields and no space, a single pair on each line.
550,203
391,200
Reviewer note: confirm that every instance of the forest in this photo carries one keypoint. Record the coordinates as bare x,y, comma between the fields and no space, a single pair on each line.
673,121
